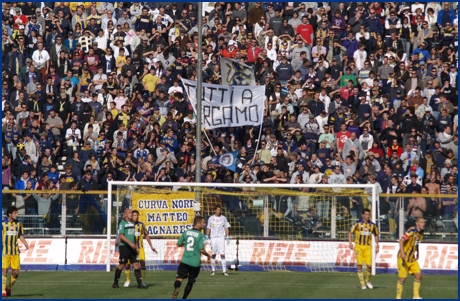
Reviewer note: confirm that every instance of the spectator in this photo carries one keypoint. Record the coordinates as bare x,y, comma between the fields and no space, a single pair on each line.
342,84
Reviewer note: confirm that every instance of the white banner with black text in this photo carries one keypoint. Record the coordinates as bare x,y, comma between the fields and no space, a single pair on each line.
228,106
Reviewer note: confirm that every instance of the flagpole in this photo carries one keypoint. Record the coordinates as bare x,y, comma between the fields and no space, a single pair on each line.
258,141
209,140
199,91
260,134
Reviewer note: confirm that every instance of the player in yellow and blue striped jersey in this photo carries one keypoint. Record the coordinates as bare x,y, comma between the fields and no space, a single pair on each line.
408,256
12,231
363,230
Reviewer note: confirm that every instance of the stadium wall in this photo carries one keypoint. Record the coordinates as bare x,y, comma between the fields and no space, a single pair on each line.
254,255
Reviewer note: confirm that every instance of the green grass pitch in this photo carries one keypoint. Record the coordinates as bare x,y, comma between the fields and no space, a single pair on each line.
253,285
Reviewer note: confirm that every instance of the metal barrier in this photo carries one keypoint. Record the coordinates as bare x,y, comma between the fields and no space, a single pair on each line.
90,222
437,228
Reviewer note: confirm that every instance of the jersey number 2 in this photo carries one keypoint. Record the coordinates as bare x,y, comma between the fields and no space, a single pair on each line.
190,242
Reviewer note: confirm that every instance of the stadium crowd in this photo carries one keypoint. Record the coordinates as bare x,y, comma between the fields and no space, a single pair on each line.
355,93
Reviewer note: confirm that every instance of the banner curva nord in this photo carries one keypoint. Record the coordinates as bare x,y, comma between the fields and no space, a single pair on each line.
165,214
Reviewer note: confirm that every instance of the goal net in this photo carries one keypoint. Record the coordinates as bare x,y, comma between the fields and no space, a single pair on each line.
273,228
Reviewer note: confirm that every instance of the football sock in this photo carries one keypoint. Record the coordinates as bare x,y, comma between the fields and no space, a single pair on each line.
4,279
213,264
137,273
117,276
361,277
13,280
177,284
143,272
417,284
224,265
368,275
187,290
128,273
399,289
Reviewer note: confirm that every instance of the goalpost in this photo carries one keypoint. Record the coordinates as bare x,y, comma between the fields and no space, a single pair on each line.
168,209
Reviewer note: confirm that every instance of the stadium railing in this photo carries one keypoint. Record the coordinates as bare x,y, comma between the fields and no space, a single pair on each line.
93,222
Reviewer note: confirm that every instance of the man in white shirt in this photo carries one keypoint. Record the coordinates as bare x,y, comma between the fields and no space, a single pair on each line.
31,148
73,135
99,79
360,56
165,19
101,40
271,52
86,97
189,118
325,99
218,231
453,76
41,60
322,120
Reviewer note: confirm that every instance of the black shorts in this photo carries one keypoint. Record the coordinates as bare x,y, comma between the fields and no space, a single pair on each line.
185,270
127,253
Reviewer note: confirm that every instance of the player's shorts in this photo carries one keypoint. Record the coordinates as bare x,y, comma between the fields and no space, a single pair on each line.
127,254
141,256
187,271
405,268
218,245
11,261
363,255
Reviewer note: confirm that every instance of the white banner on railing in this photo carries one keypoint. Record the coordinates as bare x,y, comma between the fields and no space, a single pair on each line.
90,251
228,106
43,251
251,253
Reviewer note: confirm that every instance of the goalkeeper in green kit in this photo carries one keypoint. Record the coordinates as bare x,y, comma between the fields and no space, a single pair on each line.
193,241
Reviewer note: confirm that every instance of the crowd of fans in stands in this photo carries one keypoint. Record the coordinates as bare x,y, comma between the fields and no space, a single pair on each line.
355,93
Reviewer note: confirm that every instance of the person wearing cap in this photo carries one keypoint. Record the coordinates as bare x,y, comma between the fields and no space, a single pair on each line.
40,19
447,168
230,50
19,20
14,65
33,25
396,102
315,176
429,124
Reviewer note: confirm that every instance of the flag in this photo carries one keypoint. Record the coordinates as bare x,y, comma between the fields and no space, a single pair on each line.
236,73
227,160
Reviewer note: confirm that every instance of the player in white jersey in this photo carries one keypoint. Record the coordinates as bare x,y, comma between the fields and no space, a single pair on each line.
218,231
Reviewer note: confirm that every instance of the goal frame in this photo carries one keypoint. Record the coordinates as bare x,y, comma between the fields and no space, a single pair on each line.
111,185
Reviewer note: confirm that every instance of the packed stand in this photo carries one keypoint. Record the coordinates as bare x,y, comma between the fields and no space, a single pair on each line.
355,93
